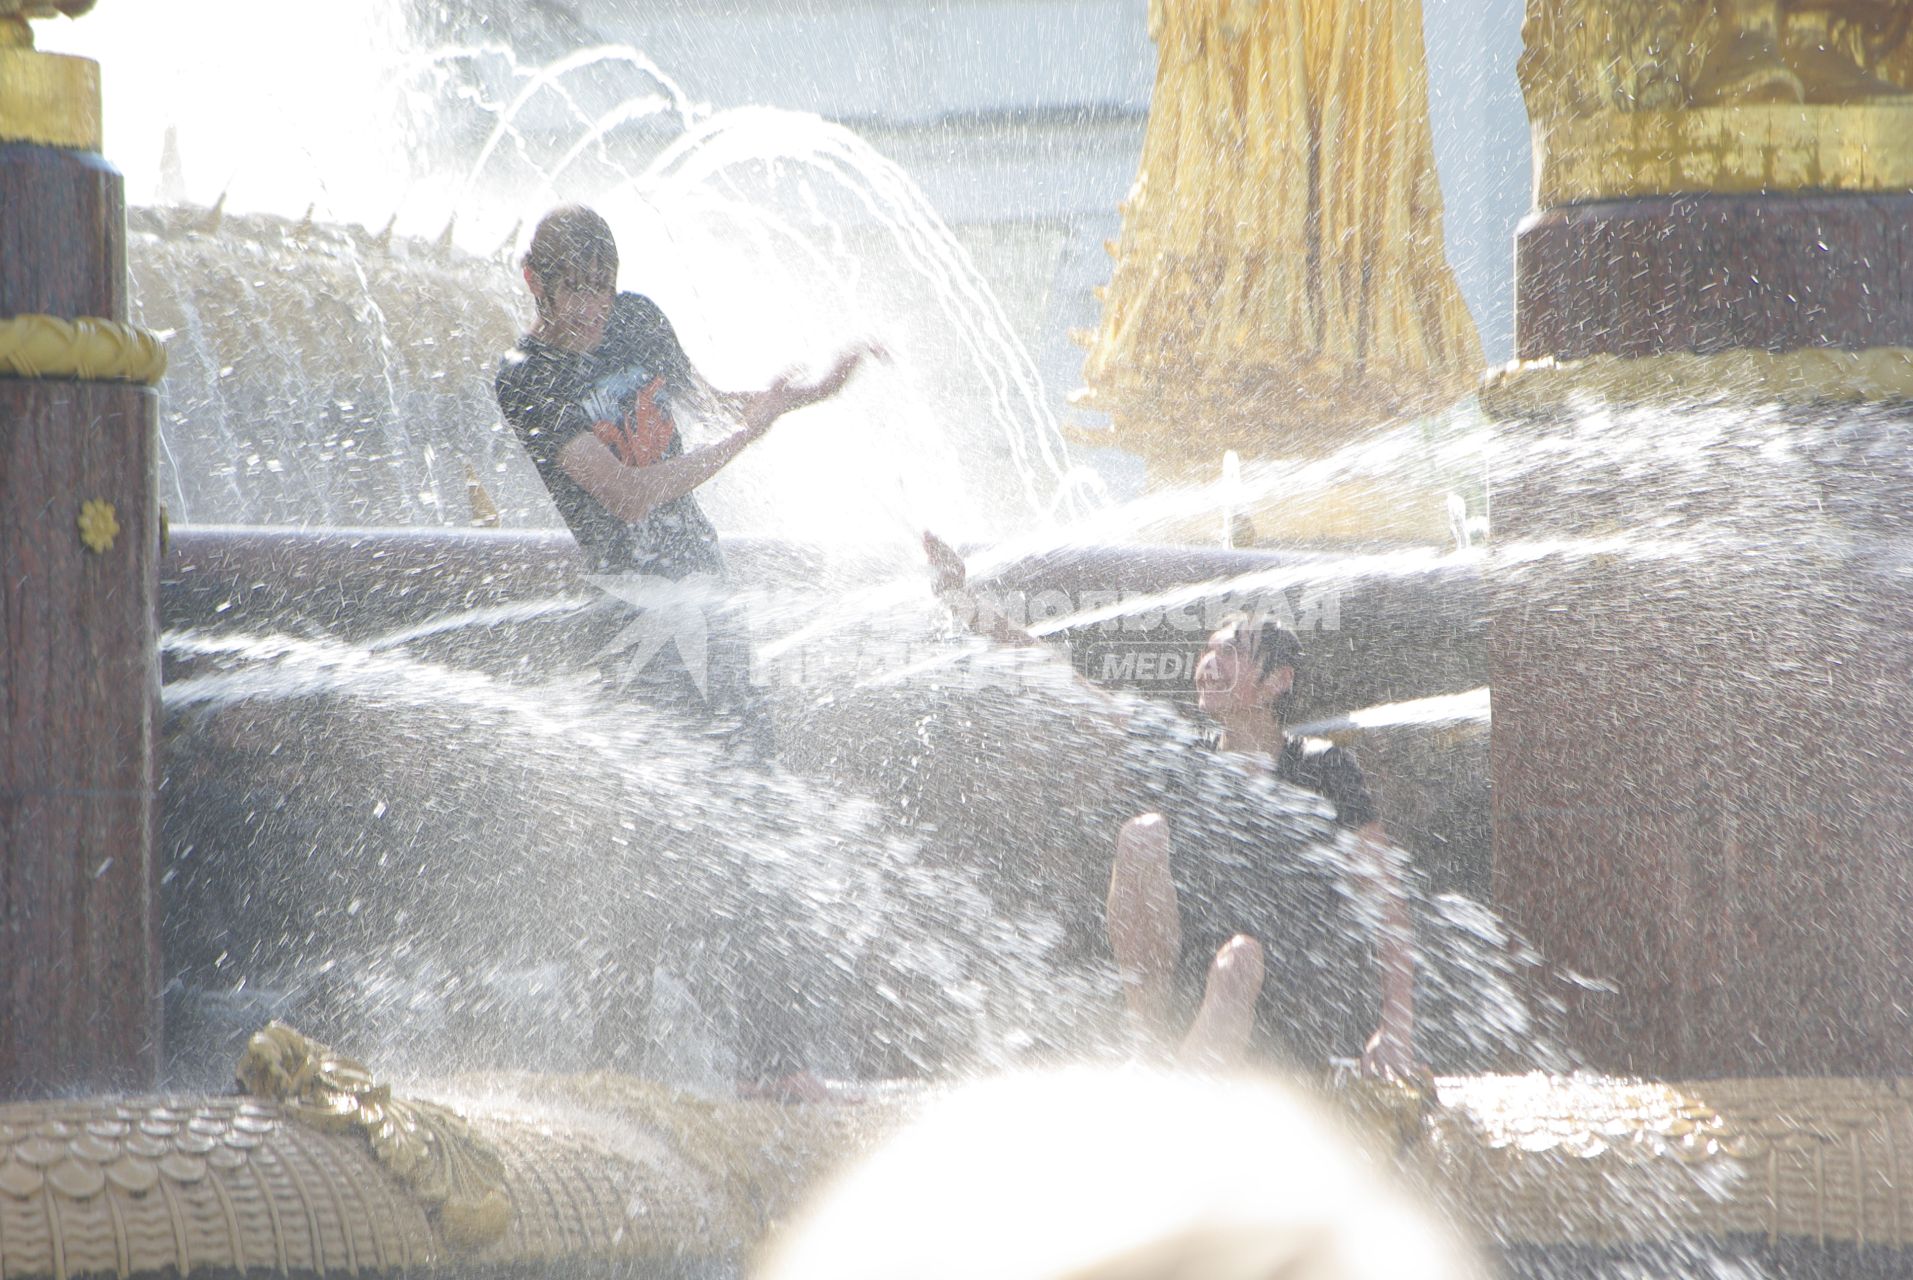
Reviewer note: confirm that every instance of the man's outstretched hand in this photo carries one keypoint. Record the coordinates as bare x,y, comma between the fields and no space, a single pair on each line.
833,382
787,394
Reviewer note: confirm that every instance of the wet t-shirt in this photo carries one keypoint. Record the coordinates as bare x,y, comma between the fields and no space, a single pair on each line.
1252,858
624,392
1333,774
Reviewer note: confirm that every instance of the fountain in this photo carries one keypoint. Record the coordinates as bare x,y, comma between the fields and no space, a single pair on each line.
1641,813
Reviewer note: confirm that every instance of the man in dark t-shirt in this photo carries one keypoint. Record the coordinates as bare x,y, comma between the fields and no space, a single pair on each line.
624,393
1199,925
594,392
1202,921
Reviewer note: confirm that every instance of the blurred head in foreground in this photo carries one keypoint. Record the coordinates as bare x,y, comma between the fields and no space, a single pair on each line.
1118,1175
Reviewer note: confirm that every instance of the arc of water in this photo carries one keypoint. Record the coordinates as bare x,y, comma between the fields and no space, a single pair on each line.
1000,358
733,138
552,75
399,428
904,592
909,591
1278,578
1256,481
624,113
1118,523
773,237
187,294
1008,379
1022,378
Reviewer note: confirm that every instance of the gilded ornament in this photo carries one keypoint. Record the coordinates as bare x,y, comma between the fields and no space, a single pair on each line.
99,525
226,1159
148,1145
133,1175
1395,1109
47,99
39,1151
76,1179
428,1147
20,1180
93,1148
43,8
89,349
1665,97
1811,375
182,1169
1280,283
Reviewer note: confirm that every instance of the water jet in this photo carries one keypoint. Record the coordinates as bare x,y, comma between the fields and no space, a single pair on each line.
1647,836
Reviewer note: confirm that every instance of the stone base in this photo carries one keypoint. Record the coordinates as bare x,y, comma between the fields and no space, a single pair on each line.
1702,779
79,927
1650,276
79,678
63,239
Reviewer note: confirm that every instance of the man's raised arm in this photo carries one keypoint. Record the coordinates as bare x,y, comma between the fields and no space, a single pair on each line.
633,492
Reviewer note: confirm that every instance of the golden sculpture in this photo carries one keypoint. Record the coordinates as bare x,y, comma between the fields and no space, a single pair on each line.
88,348
1281,281
1554,1159
45,98
429,1148
1773,51
1665,97
589,1169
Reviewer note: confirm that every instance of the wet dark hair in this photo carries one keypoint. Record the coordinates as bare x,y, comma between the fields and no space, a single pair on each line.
1274,645
572,244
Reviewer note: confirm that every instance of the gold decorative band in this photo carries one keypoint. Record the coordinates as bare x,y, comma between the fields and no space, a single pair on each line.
49,99
1811,375
427,1147
249,1186
89,349
1733,150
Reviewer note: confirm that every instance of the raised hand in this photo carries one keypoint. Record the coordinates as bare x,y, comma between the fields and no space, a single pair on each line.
946,566
833,382
787,393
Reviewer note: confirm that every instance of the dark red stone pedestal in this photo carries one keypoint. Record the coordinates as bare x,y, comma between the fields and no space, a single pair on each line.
63,239
1702,780
79,961
1712,273
1702,791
